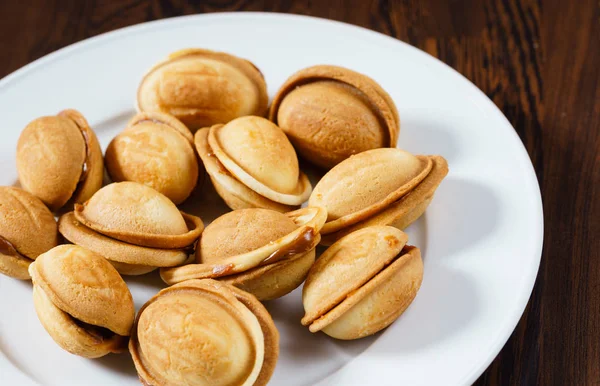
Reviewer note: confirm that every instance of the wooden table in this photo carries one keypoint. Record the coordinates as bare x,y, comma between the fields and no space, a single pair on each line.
538,62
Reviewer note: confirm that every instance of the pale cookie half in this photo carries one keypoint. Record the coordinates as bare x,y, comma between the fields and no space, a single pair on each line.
82,301
406,210
137,214
128,259
202,88
211,332
330,113
27,229
260,250
157,150
59,159
235,194
362,283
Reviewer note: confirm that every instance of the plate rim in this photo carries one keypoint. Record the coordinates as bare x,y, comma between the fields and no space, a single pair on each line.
537,235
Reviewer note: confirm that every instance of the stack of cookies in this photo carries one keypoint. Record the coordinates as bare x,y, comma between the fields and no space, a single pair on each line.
204,112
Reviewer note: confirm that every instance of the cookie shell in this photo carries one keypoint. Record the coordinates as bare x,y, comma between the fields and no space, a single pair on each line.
85,286
258,154
28,225
59,159
366,183
229,337
302,239
347,265
128,259
331,113
50,155
406,210
377,304
155,149
202,88
362,283
235,194
137,214
243,231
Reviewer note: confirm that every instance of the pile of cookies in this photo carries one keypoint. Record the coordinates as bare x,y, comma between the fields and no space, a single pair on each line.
204,112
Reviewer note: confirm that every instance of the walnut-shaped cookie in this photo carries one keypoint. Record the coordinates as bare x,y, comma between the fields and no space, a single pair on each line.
252,164
133,226
202,88
82,301
362,283
204,332
385,186
157,150
330,113
261,251
27,229
59,159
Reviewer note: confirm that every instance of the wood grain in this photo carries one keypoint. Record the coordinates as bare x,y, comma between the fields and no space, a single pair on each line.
539,62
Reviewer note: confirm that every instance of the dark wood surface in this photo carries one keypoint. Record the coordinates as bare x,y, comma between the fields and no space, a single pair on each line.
538,61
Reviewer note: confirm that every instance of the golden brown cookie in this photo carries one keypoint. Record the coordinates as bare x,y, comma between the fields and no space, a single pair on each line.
137,214
82,301
157,150
253,165
134,227
362,283
128,259
330,113
385,186
261,251
202,88
204,332
27,229
59,159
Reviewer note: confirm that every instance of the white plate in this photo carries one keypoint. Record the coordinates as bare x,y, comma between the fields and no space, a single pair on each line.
481,237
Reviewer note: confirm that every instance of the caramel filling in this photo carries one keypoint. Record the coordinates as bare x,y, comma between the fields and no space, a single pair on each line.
302,243
191,249
85,167
102,335
97,332
7,248
222,270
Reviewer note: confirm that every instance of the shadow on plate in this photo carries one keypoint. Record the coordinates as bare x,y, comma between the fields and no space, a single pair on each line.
151,280
116,121
143,287
428,137
314,173
316,354
437,316
5,351
418,235
287,313
119,363
204,201
466,212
